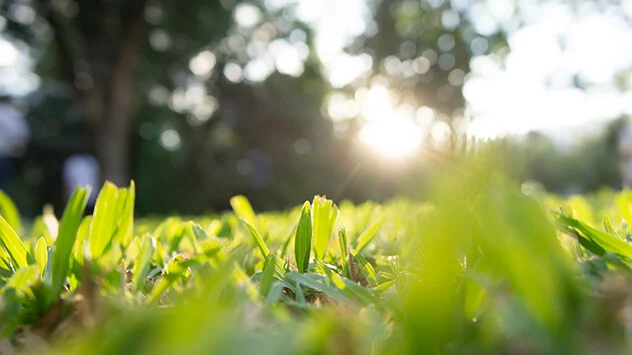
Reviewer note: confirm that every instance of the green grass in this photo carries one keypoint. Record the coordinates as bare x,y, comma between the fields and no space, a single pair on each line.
480,268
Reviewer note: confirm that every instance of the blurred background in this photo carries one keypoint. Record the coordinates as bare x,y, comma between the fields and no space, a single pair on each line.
200,100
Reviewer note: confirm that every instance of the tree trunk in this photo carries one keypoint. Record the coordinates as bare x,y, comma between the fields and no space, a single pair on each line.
113,128
112,149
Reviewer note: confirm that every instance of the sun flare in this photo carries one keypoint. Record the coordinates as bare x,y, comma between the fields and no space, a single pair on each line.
389,130
392,138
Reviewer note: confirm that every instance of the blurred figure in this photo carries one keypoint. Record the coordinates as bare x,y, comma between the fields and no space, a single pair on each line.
14,136
625,154
81,170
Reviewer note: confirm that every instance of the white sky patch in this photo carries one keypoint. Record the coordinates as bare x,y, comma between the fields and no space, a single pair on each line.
288,61
336,23
16,69
203,63
346,68
247,15
533,89
170,139
9,55
257,70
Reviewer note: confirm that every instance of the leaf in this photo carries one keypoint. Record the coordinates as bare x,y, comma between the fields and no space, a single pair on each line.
104,220
367,268
208,245
13,245
318,283
342,240
143,263
275,293
607,225
303,239
9,211
66,238
595,240
82,238
300,295
260,243
125,215
383,287
176,268
368,235
286,244
242,208
272,269
23,279
41,254
354,290
325,214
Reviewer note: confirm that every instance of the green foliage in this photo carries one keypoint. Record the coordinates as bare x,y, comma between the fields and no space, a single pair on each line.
243,209
324,215
272,270
367,236
142,264
303,239
104,220
260,243
9,211
477,264
67,237
13,245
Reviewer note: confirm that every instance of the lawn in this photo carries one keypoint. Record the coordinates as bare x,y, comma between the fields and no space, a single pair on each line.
484,266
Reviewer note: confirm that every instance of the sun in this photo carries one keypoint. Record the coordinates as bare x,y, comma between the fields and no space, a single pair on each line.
394,139
389,130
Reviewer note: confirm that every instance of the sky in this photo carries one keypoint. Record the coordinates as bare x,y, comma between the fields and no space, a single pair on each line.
529,89
532,88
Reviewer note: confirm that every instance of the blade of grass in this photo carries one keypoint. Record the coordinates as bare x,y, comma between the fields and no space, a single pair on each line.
170,274
368,235
125,218
366,267
66,238
23,279
143,264
383,287
13,245
260,243
593,236
104,221
325,214
9,211
303,239
242,208
272,270
350,288
275,293
41,254
342,240
607,225
286,244
318,283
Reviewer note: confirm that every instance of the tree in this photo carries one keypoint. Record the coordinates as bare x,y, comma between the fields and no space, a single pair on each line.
99,48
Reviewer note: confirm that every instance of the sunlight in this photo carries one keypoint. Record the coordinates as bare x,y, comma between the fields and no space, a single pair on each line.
395,136
9,55
391,130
